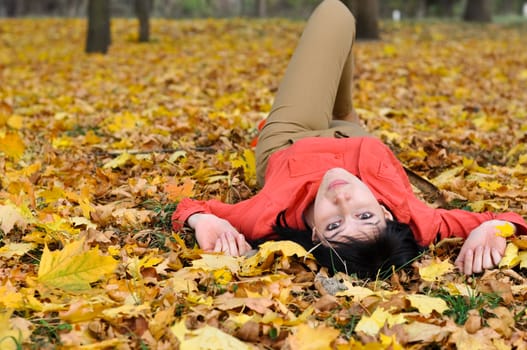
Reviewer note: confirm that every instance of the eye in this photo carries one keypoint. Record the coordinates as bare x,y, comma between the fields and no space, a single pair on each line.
333,226
365,216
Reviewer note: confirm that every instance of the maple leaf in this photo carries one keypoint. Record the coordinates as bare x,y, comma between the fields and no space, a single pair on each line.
435,269
10,216
371,325
308,338
72,268
426,304
205,338
12,145
511,257
11,336
177,192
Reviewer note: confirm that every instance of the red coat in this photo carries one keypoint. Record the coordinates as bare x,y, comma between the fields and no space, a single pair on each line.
293,177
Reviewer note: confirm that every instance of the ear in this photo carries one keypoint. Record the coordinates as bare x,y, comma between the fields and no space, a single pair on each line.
314,237
387,214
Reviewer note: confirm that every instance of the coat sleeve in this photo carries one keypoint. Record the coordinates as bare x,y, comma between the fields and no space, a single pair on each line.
428,224
252,217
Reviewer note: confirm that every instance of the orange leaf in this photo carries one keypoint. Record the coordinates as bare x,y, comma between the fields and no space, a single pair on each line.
178,192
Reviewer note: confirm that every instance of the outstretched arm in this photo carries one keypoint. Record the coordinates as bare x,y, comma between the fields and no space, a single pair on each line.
215,234
483,248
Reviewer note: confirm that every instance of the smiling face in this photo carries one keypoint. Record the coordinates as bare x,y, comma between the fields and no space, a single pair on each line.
345,209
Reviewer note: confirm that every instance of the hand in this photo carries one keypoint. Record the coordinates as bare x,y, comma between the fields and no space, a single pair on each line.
483,248
215,234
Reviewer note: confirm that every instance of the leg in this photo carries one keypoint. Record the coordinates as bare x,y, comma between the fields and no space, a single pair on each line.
316,85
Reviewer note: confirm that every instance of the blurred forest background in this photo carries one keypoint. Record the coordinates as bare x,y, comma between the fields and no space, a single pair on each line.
386,9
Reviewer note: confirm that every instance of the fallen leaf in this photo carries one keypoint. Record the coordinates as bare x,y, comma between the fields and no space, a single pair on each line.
435,270
308,338
426,304
72,268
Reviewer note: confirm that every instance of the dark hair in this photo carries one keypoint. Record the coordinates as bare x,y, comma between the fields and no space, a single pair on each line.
395,246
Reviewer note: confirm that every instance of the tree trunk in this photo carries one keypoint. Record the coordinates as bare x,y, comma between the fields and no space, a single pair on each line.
98,26
11,8
478,11
142,11
366,13
260,8
447,8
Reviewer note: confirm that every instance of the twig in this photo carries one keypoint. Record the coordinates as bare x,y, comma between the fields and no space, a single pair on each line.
162,150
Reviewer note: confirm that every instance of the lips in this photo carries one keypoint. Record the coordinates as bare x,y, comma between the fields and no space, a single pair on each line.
336,183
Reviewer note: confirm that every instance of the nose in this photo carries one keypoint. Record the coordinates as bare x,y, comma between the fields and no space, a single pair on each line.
342,197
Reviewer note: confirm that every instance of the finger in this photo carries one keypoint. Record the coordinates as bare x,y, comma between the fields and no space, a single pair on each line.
478,260
487,258
217,246
460,261
496,256
469,259
225,243
232,248
242,244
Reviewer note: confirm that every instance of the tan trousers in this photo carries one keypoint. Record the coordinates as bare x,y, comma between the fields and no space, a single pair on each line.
316,89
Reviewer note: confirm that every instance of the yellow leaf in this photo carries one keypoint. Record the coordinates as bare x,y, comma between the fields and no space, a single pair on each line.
288,248
86,207
389,342
447,176
72,268
91,138
510,257
505,230
264,258
124,121
307,338
15,249
523,259
12,337
56,224
222,276
82,221
135,265
12,145
176,155
10,297
472,165
15,122
62,142
389,50
357,292
206,338
5,113
435,270
118,162
246,161
52,195
371,325
426,304
211,262
491,186
129,310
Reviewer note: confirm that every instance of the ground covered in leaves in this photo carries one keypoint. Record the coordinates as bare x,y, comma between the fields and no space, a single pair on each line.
95,150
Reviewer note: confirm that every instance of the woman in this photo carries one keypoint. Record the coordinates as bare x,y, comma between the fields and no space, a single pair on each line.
329,185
